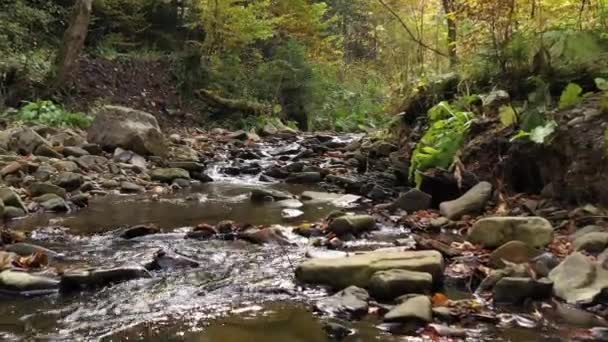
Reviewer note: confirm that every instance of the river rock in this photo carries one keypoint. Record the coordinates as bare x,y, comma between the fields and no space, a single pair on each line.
25,140
22,281
291,214
358,269
47,151
264,235
190,166
513,251
11,212
289,204
10,198
75,151
304,178
593,243
202,231
579,280
130,187
491,232
352,303
263,194
412,201
41,188
393,283
168,175
68,180
416,310
10,168
90,279
26,249
137,231
52,202
586,230
66,165
355,224
165,260
515,290
471,202
116,126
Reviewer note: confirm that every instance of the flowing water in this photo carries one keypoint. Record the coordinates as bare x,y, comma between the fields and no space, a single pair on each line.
241,292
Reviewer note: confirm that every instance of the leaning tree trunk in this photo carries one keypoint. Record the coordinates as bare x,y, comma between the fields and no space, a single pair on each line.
448,8
73,41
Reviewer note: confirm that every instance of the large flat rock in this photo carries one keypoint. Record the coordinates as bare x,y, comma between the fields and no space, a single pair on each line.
492,232
358,269
579,280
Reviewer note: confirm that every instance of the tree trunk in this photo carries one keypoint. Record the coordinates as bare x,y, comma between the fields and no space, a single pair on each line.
448,8
73,41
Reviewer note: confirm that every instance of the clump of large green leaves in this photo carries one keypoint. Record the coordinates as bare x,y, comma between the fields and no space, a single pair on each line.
446,135
50,114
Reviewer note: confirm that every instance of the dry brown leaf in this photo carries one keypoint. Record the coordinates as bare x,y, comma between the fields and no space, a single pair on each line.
6,259
439,299
36,260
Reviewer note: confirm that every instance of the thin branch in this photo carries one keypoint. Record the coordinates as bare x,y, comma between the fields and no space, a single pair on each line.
409,32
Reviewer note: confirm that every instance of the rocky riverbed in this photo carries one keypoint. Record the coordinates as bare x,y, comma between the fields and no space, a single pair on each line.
128,232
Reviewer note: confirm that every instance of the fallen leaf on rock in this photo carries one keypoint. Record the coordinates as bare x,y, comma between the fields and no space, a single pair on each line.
439,299
35,260
10,236
6,259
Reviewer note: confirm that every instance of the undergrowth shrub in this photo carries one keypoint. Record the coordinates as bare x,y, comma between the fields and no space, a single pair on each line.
447,133
50,114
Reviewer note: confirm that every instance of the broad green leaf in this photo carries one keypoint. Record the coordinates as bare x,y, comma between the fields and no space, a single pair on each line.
571,96
508,117
541,134
601,83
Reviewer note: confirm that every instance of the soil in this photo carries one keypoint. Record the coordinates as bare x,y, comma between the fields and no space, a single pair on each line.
144,84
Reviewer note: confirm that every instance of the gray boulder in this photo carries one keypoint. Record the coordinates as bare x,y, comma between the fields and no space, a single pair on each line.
355,224
25,140
594,242
304,178
68,180
416,310
138,131
352,302
492,232
10,198
90,279
358,269
263,194
513,251
168,175
393,283
54,203
579,280
515,290
41,188
22,281
471,202
412,201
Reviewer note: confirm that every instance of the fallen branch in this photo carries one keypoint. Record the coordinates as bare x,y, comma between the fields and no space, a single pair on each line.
234,105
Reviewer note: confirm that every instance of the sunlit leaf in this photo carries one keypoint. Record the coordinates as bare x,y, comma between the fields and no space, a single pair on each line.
571,96
508,116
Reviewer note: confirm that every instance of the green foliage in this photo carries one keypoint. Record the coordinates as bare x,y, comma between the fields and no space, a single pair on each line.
48,113
440,143
540,135
508,116
601,84
571,96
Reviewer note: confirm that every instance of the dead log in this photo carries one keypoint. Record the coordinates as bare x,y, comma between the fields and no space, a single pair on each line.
234,105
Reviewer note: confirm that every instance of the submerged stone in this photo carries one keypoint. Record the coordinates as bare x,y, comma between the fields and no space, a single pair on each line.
90,279
355,224
352,302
